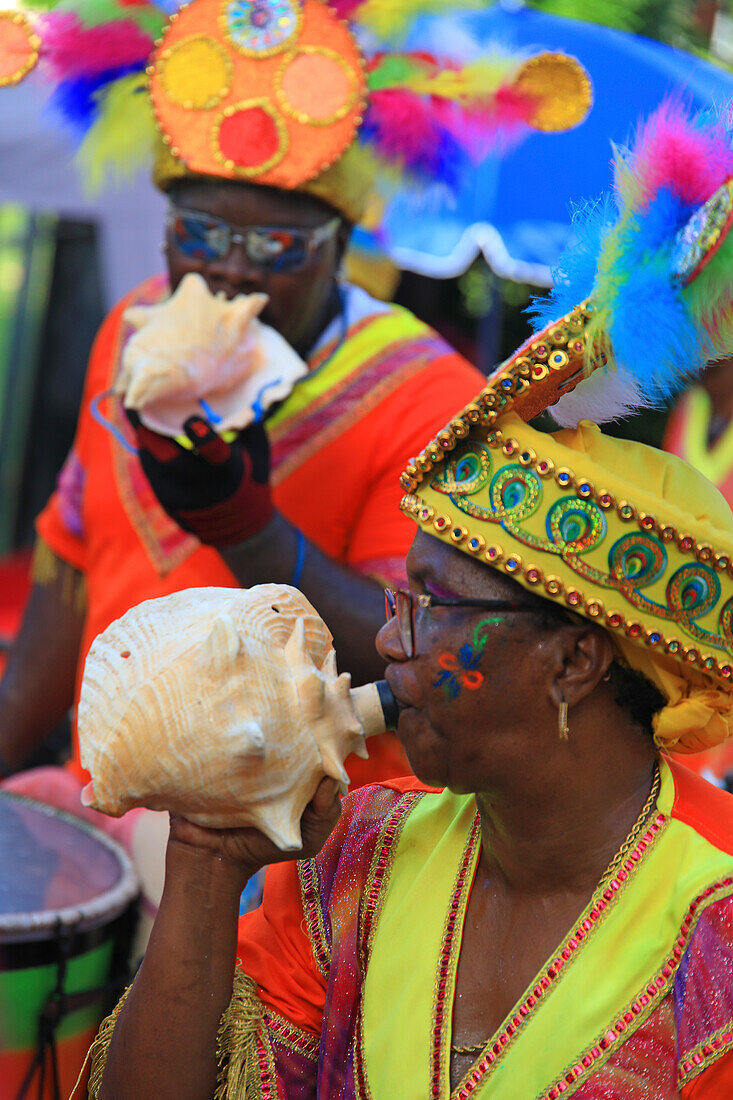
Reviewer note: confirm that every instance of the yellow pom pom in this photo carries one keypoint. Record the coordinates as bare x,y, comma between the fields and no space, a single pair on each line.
561,87
124,135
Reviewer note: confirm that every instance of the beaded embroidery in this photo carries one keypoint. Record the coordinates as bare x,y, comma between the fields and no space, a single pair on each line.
703,234
264,90
589,920
260,28
643,1004
292,1037
695,1061
379,872
575,525
308,875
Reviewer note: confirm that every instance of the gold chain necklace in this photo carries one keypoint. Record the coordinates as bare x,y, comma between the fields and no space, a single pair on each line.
636,830
615,863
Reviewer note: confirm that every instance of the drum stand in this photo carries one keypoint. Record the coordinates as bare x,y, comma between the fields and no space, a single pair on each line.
59,1003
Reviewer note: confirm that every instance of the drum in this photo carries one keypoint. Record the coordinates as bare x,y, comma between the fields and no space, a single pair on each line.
67,911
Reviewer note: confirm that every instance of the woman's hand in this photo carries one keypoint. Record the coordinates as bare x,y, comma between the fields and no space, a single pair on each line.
247,850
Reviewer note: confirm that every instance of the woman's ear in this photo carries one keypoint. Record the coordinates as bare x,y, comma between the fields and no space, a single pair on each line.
587,657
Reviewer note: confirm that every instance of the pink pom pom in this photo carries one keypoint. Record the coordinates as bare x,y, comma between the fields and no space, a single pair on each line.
345,8
402,126
72,50
675,153
494,126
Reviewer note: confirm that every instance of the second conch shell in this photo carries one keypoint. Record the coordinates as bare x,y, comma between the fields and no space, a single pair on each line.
220,704
199,354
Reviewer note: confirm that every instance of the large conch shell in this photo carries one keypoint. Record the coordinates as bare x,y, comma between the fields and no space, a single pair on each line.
220,704
199,354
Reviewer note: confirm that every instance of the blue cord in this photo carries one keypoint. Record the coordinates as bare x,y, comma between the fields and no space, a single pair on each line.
299,561
110,427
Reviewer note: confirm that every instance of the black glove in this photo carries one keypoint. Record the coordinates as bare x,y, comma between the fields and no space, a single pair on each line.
218,491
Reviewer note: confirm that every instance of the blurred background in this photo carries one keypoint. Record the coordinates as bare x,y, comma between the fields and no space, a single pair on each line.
469,269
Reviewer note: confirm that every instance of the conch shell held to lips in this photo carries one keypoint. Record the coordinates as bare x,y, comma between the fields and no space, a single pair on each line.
199,354
220,704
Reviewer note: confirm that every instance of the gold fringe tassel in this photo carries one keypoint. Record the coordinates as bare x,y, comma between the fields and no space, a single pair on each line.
48,569
238,1077
236,1043
99,1050
45,564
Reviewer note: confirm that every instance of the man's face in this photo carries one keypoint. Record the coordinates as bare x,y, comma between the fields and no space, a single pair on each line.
299,300
471,695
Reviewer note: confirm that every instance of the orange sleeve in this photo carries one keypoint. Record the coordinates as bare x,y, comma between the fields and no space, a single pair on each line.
714,1083
392,434
275,951
61,522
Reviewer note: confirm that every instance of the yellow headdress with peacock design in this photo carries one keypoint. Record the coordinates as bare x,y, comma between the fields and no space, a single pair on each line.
631,538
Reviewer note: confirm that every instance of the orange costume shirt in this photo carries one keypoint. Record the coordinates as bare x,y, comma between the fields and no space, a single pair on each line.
377,388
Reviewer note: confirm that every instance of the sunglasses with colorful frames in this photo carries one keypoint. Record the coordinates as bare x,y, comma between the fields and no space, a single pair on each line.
207,239
403,605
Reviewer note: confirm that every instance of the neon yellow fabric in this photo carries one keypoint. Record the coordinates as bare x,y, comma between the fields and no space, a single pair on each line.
399,989
608,971
363,344
715,462
658,576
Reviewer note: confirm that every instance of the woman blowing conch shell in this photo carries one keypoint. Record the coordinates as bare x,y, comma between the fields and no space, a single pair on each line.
223,706
199,353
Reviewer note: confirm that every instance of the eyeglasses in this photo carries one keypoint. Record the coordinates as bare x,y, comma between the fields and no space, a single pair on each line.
205,238
403,604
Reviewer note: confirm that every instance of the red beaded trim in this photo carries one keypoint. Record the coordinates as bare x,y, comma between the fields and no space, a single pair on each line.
377,879
448,962
643,1005
292,1037
379,872
311,896
590,920
701,1056
266,1065
361,1085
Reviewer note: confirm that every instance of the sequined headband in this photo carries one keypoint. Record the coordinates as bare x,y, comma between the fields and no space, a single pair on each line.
615,530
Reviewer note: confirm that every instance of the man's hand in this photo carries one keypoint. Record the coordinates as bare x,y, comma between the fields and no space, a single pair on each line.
217,491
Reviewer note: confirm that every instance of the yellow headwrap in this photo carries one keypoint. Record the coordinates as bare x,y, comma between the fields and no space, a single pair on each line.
630,537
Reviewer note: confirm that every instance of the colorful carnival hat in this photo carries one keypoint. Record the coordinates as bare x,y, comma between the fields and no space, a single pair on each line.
295,94
631,538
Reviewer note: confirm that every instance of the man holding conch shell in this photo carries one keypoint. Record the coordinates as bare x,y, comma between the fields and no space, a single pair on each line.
228,440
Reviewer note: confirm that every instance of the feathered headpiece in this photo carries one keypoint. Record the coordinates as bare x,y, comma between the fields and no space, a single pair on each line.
279,91
632,538
654,262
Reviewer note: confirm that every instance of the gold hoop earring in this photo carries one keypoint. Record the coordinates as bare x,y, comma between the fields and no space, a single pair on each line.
562,721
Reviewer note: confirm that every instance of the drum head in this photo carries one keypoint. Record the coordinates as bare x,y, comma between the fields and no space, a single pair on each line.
56,872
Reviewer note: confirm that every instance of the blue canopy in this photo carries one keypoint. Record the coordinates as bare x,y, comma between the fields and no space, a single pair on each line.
515,208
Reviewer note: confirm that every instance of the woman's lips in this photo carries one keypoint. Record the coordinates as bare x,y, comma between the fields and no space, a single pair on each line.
402,697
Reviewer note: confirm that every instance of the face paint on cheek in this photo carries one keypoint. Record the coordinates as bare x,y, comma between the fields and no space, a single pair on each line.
461,671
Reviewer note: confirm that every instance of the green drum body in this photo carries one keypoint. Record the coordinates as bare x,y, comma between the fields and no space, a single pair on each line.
67,902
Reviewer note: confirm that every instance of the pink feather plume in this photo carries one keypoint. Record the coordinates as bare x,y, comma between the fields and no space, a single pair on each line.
692,161
72,50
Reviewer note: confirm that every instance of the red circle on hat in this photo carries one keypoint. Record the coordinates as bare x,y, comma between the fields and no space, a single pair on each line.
249,137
